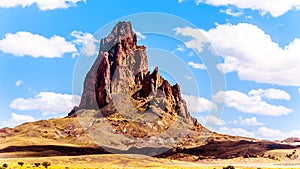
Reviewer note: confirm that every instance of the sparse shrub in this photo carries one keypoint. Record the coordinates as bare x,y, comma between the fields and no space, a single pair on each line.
20,163
46,164
229,167
289,155
4,165
37,164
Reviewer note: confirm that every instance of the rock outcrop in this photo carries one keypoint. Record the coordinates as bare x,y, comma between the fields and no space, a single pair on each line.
122,68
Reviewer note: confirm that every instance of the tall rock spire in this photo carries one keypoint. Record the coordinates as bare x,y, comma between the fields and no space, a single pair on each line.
122,67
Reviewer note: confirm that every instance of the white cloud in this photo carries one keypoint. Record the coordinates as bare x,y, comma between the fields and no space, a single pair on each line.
275,134
272,134
87,41
236,132
42,4
250,121
47,103
248,17
17,119
275,7
19,83
231,12
180,48
250,52
180,1
189,77
198,40
249,104
215,120
271,94
26,43
197,65
139,35
198,104
260,133
211,121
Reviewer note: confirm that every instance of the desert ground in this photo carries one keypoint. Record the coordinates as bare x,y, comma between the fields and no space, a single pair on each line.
139,161
64,144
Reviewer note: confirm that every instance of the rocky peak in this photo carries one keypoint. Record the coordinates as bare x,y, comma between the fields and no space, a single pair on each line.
122,34
118,61
122,68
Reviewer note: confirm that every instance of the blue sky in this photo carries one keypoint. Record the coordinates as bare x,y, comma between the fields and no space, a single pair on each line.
257,44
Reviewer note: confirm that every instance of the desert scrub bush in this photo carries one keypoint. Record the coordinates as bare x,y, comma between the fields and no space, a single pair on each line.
229,167
4,165
46,164
289,155
21,163
37,164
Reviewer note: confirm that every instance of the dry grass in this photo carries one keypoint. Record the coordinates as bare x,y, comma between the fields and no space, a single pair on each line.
138,161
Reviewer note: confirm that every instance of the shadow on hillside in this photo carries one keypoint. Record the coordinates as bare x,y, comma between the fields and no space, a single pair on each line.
55,150
213,149
226,149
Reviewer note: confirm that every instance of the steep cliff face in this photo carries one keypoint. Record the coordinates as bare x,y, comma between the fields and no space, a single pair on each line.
118,62
122,68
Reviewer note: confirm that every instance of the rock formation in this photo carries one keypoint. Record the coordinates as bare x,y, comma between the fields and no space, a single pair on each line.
120,69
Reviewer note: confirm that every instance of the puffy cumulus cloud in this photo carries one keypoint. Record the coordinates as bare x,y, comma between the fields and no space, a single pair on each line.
197,65
47,103
236,132
252,121
17,119
250,52
35,45
198,41
41,4
271,94
275,7
197,104
87,42
249,103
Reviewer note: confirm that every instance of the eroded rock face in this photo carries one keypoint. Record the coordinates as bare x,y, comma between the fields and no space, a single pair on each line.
122,68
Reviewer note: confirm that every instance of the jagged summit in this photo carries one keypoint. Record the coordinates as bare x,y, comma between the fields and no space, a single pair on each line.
119,60
122,31
122,68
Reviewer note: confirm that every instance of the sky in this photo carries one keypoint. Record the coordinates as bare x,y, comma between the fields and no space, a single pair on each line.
237,62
